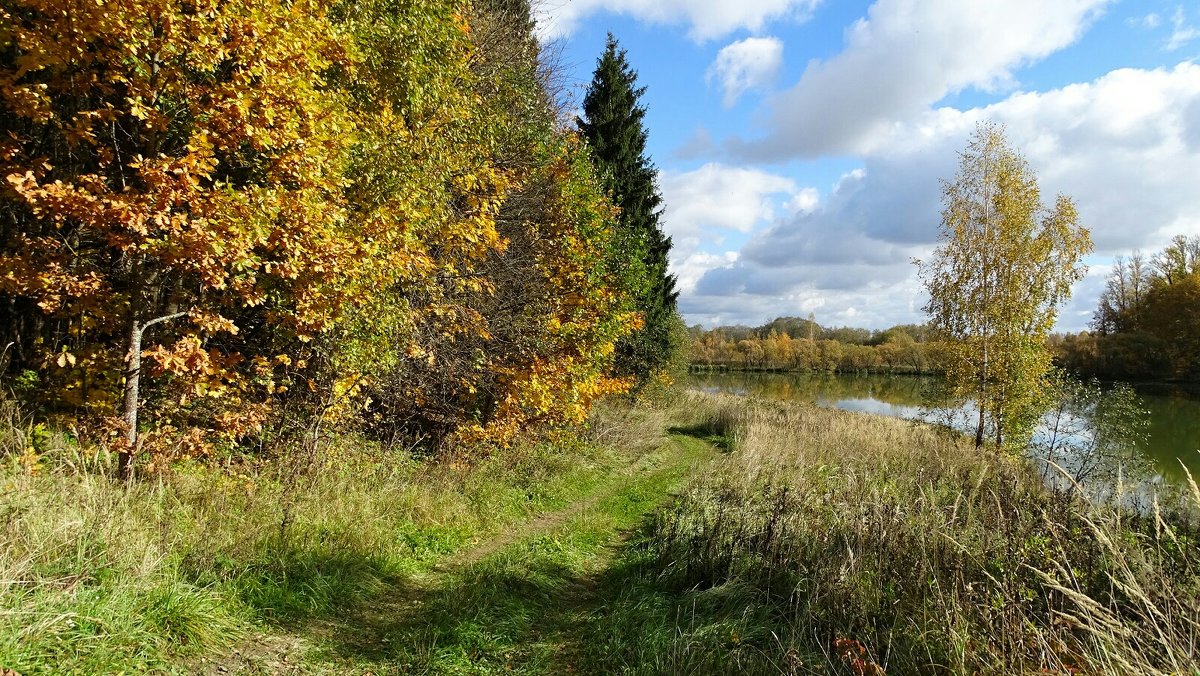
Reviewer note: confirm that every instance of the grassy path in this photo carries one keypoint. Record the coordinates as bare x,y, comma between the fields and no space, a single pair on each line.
516,603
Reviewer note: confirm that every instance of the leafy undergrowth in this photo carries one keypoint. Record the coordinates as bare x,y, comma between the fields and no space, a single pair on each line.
831,542
100,576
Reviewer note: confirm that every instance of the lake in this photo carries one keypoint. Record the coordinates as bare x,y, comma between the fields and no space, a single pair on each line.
1173,432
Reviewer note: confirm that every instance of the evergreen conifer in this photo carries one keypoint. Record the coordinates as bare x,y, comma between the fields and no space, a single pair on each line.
612,124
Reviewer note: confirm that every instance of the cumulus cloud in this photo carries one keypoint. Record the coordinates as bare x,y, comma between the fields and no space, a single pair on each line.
689,270
1126,146
905,56
718,197
704,19
879,307
707,205
744,65
804,201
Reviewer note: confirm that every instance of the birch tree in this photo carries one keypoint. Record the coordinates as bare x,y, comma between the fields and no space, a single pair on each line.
1004,267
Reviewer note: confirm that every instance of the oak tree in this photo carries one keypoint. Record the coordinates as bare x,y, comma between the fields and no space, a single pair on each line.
166,165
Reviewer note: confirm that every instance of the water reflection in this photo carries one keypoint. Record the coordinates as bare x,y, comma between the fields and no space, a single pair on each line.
1172,435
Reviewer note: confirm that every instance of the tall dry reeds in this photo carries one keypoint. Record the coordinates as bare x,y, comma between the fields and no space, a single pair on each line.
886,544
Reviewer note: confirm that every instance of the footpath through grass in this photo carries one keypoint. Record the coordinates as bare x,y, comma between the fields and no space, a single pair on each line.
725,536
197,571
524,607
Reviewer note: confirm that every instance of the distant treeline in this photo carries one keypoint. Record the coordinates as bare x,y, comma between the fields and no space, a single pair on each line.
1147,324
796,344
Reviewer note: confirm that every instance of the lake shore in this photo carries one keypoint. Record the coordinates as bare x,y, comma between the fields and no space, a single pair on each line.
1171,423
863,544
718,534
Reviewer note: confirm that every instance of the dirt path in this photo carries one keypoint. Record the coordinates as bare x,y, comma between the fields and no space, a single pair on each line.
372,628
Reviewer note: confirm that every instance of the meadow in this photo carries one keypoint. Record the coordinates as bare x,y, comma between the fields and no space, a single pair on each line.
714,534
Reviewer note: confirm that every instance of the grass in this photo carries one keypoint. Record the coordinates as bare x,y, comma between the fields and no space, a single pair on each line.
833,542
757,538
100,576
524,607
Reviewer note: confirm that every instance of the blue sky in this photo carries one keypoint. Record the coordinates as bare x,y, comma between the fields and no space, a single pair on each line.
800,143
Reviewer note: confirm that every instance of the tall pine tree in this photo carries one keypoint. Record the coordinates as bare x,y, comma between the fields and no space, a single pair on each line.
612,125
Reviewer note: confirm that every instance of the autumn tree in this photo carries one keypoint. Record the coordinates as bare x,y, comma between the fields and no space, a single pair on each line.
1124,292
296,214
1177,260
1004,266
505,281
612,123
1147,322
1170,309
1171,314
166,166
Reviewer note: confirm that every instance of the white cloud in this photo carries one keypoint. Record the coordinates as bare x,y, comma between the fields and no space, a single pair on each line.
747,64
705,19
720,197
905,56
705,206
1126,146
1151,20
804,202
877,307
1181,32
691,269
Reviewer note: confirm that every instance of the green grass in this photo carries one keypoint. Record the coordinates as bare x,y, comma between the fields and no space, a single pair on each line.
524,607
758,538
99,576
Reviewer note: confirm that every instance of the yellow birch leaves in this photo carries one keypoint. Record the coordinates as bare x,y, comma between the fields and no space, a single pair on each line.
1004,266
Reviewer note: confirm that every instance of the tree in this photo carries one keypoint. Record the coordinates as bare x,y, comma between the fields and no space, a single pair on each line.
1180,259
612,126
1171,313
1004,266
1124,293
168,166
510,314
1147,322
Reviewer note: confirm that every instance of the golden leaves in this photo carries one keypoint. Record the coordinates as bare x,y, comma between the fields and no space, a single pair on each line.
200,148
1004,266
304,190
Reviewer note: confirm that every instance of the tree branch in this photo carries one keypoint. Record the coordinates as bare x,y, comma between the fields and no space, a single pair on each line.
164,318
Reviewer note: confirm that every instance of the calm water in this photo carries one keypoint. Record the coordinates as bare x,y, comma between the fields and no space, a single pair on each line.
1174,423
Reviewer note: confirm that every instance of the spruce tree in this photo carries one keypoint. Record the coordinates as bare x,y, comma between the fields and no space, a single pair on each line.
612,125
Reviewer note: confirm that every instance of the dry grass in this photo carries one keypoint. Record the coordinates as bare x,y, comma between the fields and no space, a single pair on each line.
862,542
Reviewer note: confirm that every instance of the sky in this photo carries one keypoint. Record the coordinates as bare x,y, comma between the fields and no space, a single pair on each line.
801,143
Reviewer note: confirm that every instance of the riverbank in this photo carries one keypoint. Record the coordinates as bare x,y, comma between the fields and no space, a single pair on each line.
829,540
837,369
721,535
